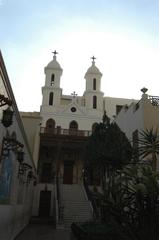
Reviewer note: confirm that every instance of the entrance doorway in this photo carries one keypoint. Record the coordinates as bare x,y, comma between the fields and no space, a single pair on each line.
45,203
68,172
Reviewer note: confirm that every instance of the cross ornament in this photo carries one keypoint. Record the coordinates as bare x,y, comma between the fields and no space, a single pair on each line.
93,58
74,94
55,53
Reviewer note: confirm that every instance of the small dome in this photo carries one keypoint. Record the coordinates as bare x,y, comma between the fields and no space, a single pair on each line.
93,69
54,64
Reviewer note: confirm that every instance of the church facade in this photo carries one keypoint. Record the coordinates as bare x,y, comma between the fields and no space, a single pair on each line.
65,123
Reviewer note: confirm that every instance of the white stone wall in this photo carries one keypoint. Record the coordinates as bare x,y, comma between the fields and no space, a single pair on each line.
131,119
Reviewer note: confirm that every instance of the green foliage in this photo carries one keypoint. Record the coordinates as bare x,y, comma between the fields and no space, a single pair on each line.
108,146
149,145
131,203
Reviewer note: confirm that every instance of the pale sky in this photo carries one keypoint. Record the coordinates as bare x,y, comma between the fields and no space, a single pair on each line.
122,34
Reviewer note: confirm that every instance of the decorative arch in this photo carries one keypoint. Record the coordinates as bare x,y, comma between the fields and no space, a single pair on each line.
94,83
50,125
94,102
73,127
51,98
52,79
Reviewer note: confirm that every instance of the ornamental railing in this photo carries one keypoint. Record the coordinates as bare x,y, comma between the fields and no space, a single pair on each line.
67,132
154,100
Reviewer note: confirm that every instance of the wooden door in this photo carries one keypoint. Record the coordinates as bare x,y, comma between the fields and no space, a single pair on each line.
68,172
45,203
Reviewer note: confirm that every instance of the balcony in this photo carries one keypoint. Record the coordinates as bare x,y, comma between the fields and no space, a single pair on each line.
65,132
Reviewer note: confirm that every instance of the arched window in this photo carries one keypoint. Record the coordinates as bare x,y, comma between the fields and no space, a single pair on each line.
73,125
94,102
52,79
73,128
50,125
94,84
51,96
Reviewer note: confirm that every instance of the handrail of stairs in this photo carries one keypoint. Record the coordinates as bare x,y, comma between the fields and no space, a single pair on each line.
91,199
56,206
60,208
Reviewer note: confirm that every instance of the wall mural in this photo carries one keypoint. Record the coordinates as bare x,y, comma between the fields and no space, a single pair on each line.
6,177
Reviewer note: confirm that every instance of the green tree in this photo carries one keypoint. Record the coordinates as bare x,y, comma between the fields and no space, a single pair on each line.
149,145
108,148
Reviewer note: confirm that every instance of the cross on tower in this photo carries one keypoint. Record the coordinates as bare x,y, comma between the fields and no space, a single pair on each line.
55,53
93,58
74,94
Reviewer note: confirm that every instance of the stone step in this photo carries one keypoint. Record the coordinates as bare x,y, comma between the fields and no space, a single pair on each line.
76,206
72,192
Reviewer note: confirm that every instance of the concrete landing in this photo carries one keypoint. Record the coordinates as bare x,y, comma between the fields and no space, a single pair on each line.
43,232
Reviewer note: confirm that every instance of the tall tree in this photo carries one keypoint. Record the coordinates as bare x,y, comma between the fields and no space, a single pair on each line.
108,148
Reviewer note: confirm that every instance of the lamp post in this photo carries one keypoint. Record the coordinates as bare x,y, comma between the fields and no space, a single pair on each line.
7,117
7,113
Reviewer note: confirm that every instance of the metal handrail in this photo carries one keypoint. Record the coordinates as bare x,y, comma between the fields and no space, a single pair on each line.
59,202
91,199
154,100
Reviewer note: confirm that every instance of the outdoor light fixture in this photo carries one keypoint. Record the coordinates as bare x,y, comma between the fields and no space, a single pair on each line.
10,143
7,117
4,100
23,167
29,177
7,113
20,156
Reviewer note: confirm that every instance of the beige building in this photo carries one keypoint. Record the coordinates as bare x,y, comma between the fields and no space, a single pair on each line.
17,169
139,116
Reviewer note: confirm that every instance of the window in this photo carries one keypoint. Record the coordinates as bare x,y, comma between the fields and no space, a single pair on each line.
73,128
94,83
73,125
50,125
94,102
52,79
51,98
73,109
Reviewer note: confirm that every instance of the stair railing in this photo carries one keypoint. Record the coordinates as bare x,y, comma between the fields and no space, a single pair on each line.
96,213
60,208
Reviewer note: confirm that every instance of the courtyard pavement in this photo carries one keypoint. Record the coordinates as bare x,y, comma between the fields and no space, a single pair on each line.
43,232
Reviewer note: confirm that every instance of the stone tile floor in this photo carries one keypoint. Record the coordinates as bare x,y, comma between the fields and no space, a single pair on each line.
43,232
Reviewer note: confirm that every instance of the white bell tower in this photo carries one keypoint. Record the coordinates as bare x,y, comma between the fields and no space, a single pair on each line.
51,91
93,95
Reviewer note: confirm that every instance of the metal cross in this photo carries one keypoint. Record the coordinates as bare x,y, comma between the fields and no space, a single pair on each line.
74,94
55,53
93,58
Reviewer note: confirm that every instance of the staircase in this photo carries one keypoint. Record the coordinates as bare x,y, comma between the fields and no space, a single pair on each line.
77,208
